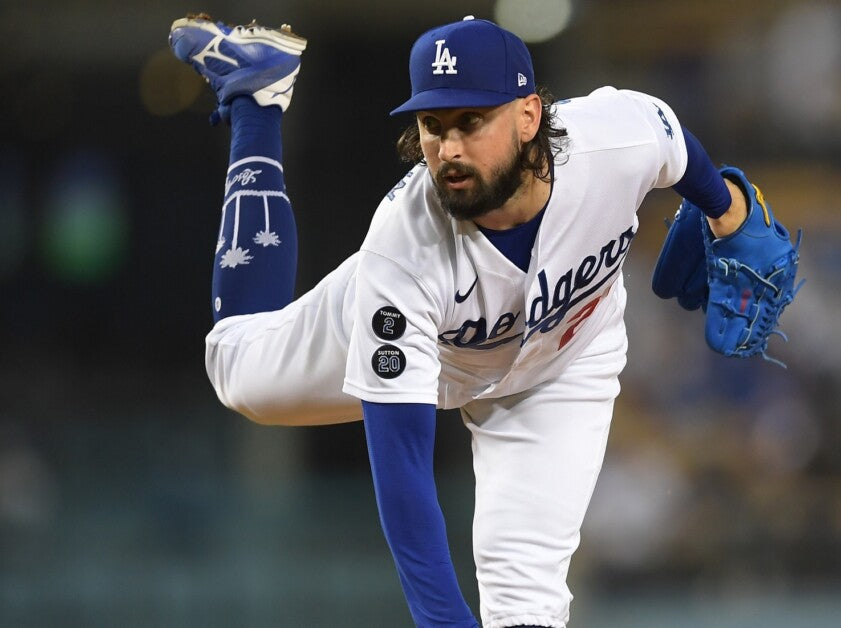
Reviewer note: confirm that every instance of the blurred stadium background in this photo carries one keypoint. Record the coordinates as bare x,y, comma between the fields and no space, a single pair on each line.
129,497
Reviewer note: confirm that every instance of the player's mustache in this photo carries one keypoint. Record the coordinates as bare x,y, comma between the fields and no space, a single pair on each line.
455,169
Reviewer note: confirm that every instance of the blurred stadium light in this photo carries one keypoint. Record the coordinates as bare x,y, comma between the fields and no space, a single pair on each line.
535,21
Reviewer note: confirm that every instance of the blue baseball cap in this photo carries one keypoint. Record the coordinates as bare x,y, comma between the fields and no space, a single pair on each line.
471,63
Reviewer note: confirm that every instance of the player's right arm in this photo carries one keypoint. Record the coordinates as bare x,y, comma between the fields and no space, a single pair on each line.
401,438
686,167
393,368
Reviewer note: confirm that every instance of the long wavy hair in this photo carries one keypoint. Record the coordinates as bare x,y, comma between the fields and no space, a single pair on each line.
537,154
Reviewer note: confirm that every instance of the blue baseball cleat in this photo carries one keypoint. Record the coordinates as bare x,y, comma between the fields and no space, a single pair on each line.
249,60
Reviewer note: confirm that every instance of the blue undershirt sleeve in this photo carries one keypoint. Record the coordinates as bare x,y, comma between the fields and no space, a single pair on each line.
701,184
401,441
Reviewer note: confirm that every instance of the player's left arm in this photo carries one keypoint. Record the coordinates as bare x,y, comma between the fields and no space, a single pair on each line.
737,262
721,200
681,267
684,165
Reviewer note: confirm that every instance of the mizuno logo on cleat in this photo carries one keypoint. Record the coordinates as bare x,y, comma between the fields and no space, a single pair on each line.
212,50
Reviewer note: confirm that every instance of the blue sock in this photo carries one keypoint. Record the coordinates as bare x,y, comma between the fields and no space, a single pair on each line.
257,250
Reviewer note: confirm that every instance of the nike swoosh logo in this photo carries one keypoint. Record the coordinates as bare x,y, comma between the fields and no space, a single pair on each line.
461,297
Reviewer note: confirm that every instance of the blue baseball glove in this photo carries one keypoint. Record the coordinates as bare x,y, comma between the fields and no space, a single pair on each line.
743,282
681,270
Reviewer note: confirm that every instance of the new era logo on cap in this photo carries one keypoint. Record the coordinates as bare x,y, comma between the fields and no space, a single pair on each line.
471,63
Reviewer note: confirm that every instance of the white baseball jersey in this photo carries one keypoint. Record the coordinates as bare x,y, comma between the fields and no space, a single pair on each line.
442,317
429,311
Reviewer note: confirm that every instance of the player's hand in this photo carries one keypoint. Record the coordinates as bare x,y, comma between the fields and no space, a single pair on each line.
734,217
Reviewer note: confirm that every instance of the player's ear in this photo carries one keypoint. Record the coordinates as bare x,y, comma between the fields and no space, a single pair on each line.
531,110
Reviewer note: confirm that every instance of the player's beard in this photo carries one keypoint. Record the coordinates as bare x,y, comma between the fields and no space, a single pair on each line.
484,196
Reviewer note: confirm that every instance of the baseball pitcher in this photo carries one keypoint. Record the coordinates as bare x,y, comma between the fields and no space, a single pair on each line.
490,280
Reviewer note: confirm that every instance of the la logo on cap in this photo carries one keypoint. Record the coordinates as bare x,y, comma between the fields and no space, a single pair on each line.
443,58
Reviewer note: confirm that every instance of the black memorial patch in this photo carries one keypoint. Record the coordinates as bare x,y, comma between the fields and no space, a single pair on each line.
388,323
388,361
